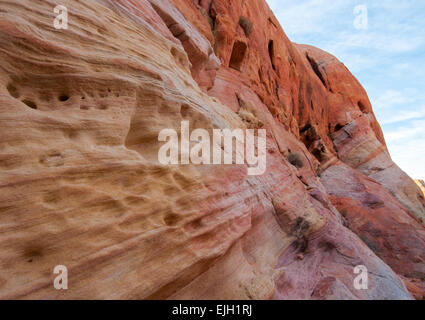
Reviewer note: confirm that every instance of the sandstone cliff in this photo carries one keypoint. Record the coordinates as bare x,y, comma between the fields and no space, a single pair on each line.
81,185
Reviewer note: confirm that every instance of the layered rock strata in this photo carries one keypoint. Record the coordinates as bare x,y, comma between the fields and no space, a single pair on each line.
81,185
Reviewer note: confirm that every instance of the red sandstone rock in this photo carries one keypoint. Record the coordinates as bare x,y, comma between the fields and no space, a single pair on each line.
421,185
356,135
81,184
379,219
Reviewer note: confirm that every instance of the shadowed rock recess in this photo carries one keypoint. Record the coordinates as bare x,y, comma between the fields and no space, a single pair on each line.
81,185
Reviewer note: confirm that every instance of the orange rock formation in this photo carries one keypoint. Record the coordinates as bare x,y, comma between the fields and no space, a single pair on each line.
81,185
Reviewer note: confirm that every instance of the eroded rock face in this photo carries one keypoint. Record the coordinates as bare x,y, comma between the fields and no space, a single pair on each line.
81,185
356,135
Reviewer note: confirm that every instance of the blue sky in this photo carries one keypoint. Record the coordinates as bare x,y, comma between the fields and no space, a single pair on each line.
388,58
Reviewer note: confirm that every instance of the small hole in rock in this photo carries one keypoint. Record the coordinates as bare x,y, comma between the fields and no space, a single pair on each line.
362,106
272,53
13,91
238,55
63,97
174,52
32,253
185,111
171,219
30,104
338,127
296,160
246,25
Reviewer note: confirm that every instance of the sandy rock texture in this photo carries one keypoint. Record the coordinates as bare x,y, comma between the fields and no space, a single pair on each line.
421,185
81,185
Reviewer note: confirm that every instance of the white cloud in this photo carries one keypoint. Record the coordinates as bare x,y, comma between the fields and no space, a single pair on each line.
415,130
304,17
391,98
402,116
409,155
407,148
378,40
